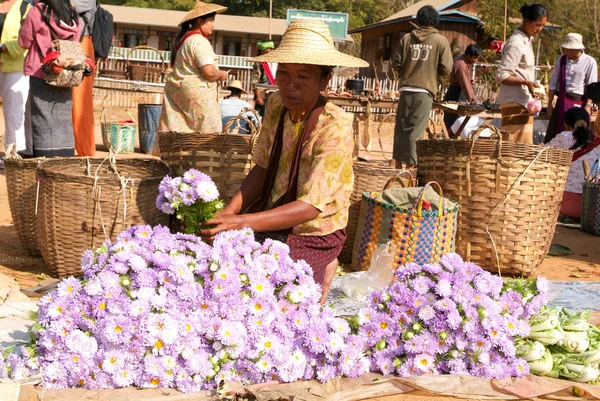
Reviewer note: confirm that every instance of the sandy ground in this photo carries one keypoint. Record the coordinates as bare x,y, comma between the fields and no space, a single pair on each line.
583,265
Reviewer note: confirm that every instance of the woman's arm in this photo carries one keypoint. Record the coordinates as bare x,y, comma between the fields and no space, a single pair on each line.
507,70
280,218
28,29
212,74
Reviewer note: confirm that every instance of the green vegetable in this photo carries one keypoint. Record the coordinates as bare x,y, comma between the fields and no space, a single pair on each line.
530,350
579,372
546,319
549,337
542,366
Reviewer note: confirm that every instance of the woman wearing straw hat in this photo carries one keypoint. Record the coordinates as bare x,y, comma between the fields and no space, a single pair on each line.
190,101
233,105
299,190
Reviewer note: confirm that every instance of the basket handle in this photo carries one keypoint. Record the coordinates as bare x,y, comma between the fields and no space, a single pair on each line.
103,116
496,134
594,172
419,203
396,178
392,114
131,117
162,59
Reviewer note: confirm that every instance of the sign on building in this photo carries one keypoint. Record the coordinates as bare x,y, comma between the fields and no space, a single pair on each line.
338,22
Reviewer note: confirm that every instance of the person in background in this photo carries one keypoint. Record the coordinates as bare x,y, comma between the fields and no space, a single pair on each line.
298,191
83,104
586,145
191,98
263,73
516,74
423,55
14,85
233,105
51,107
461,89
572,72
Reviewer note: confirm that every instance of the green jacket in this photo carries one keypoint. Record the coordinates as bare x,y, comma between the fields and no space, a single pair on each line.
14,55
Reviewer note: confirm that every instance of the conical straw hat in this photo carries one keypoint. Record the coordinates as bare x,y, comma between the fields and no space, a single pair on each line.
200,9
236,84
309,42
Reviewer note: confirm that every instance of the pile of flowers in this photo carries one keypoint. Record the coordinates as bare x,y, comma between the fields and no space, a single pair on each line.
193,198
156,309
452,317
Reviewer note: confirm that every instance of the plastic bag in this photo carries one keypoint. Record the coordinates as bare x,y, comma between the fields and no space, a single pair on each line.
534,106
380,274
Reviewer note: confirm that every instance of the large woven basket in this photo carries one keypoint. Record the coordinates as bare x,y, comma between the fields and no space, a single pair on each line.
509,195
226,158
368,177
83,202
21,185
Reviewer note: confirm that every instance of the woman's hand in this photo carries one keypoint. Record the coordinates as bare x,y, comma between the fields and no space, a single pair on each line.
549,109
223,222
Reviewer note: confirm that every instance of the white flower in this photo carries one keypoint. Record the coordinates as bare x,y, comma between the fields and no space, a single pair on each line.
336,342
298,294
207,191
263,365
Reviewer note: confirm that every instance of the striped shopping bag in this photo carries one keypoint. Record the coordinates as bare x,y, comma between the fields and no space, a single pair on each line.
420,236
590,201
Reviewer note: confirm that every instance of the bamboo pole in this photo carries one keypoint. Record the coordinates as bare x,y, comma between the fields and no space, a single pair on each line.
270,16
505,18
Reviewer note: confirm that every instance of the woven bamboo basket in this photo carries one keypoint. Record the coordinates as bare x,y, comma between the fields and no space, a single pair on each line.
83,202
509,195
144,71
369,177
226,158
21,187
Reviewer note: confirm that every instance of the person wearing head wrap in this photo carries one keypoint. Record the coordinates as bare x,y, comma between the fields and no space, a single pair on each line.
190,102
263,73
586,144
298,191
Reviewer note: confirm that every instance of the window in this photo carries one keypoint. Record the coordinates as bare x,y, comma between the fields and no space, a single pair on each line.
232,46
387,54
133,37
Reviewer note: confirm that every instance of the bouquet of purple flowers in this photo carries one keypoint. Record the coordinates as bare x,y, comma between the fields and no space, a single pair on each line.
156,309
452,317
194,198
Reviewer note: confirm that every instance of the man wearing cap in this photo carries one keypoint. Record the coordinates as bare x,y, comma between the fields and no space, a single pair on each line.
572,72
233,105
263,73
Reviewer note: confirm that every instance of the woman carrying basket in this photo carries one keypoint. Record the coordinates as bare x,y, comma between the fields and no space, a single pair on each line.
190,102
299,190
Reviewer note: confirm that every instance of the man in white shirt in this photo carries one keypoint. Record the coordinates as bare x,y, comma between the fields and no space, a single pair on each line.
572,72
233,105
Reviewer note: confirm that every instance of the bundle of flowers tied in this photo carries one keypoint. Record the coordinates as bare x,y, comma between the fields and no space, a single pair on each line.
156,309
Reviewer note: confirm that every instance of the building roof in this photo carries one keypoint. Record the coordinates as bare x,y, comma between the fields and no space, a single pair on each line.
410,13
170,19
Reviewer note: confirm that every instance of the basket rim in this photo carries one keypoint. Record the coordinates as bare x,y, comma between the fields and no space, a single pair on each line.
47,169
368,196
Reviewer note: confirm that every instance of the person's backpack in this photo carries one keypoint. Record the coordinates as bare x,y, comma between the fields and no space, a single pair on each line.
24,6
102,32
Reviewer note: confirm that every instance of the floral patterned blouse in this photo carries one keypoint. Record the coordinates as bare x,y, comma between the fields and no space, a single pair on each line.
325,177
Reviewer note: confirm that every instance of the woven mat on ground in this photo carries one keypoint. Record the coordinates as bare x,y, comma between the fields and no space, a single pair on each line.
368,386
